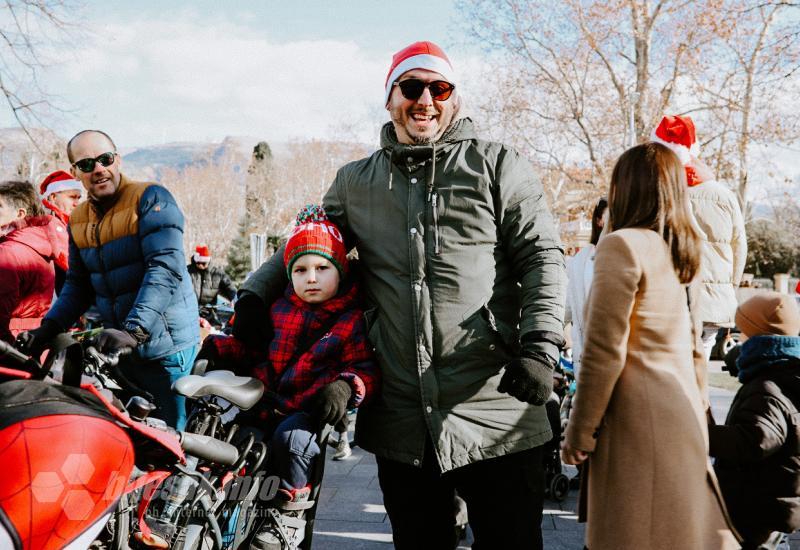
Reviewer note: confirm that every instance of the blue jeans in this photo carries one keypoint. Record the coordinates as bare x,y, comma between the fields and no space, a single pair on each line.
157,378
293,448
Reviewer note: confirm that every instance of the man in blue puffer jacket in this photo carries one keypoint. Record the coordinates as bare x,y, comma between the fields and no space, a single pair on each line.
126,257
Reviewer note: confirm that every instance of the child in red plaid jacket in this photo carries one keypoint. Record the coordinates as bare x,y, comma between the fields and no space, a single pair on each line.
320,362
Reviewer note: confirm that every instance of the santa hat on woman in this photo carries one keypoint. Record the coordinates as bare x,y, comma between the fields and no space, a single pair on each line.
677,133
314,233
58,181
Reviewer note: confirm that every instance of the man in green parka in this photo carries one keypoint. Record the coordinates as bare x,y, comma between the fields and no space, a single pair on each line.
463,272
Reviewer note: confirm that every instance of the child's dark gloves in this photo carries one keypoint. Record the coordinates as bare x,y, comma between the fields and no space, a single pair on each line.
529,379
330,403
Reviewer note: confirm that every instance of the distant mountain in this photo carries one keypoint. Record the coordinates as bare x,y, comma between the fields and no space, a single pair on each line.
146,162
150,161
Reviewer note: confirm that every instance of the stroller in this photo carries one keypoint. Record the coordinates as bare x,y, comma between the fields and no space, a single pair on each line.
556,482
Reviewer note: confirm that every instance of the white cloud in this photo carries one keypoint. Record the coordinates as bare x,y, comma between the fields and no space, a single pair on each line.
149,81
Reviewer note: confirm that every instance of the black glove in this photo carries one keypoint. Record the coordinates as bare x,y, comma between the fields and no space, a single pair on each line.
529,379
111,340
252,323
34,342
330,403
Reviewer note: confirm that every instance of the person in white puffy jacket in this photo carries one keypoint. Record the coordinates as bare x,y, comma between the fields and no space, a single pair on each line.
718,218
580,270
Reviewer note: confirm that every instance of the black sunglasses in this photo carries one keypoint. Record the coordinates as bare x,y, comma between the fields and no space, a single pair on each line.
413,88
87,165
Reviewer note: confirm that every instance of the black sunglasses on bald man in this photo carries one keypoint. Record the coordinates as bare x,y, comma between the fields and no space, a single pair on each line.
413,88
87,165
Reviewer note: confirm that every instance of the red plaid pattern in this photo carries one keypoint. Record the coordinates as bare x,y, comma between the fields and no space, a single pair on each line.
342,353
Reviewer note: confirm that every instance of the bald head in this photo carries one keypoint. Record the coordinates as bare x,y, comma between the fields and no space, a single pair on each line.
100,172
83,133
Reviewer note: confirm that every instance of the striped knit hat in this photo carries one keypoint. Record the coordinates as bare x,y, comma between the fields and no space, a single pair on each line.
419,55
315,234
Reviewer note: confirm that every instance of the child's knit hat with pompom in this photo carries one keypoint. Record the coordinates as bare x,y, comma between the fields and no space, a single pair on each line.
314,233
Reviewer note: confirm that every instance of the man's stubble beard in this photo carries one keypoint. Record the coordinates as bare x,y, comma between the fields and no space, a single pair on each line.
429,140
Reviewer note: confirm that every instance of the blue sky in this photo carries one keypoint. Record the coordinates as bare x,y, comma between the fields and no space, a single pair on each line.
151,72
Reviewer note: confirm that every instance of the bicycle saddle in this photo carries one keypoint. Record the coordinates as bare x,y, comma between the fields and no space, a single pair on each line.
242,391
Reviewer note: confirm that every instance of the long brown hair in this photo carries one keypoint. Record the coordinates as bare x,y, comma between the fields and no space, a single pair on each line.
648,190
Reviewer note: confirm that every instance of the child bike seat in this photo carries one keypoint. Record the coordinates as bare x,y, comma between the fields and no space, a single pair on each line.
242,391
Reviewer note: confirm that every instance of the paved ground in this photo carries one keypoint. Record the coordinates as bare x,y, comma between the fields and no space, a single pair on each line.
352,517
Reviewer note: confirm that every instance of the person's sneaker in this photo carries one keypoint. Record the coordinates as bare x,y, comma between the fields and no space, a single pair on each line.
343,449
284,527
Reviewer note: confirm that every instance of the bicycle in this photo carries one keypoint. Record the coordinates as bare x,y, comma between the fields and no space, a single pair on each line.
199,476
207,502
212,416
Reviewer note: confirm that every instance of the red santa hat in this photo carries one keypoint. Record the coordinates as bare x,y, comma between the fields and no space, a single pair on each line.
202,255
59,181
315,234
419,55
678,134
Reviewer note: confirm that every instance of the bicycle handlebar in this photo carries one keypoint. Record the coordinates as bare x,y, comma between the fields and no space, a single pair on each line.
110,361
7,350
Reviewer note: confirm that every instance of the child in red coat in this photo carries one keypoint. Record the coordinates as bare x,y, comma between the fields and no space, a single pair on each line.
320,362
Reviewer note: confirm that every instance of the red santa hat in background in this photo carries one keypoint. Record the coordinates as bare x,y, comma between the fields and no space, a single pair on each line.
59,181
419,55
202,255
678,134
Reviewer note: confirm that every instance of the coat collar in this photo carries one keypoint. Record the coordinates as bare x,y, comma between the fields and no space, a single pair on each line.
101,207
461,129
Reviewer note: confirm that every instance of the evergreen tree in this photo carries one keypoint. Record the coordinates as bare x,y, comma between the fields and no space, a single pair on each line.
239,254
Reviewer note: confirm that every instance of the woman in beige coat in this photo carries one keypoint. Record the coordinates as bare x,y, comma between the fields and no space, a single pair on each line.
639,412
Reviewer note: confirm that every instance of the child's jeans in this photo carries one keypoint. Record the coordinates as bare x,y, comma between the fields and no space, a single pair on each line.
293,448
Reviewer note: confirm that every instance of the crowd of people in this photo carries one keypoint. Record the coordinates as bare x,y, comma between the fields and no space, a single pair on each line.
447,329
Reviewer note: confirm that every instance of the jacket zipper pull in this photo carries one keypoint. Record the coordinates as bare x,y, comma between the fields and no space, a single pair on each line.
435,208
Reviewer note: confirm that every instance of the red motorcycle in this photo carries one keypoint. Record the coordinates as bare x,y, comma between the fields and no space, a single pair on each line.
67,455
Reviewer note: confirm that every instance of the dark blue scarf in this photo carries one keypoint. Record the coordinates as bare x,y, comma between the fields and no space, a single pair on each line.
765,352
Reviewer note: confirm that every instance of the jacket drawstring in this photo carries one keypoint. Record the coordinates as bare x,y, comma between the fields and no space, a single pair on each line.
433,197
